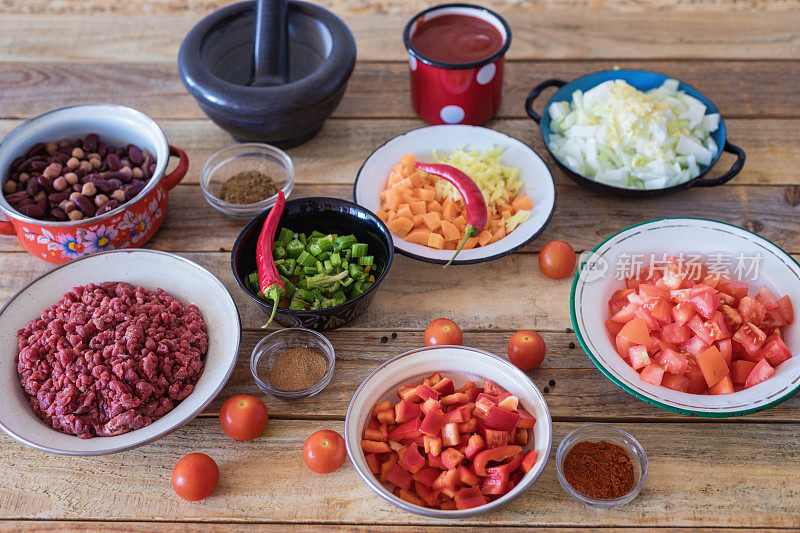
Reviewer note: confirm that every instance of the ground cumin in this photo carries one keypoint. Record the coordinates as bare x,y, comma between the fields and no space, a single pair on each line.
599,469
297,369
248,187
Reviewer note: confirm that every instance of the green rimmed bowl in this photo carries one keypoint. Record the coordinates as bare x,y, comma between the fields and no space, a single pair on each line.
746,256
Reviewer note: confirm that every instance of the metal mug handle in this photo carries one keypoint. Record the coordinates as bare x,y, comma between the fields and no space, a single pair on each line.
535,92
730,174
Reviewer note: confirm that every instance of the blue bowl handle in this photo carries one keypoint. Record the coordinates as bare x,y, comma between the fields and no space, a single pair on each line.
730,174
535,92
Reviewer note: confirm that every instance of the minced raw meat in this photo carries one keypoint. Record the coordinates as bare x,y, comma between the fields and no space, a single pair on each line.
111,358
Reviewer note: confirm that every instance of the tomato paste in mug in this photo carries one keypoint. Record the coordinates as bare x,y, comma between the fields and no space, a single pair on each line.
455,38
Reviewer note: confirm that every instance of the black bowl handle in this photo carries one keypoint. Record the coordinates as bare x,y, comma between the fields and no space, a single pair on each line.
730,174
535,92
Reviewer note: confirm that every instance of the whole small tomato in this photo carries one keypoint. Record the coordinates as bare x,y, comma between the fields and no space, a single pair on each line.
526,349
195,476
324,451
557,260
243,417
443,331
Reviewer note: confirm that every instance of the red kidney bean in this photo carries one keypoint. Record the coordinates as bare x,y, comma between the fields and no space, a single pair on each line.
42,203
115,183
135,154
102,184
39,166
31,210
134,188
17,162
112,160
90,143
58,213
80,172
108,206
36,149
121,176
17,196
33,187
85,205
58,197
102,149
22,203
46,183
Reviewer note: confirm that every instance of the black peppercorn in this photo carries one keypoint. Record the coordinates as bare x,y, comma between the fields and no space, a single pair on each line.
552,383
384,339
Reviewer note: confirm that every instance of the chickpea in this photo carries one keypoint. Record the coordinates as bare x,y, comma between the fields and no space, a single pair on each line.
71,178
89,189
118,195
39,195
73,196
86,166
52,171
63,143
100,200
69,207
137,173
127,170
96,162
24,177
78,153
60,183
73,163
51,147
10,187
75,215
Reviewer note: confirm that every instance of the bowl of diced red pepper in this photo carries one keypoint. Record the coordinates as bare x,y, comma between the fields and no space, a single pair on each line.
693,316
448,431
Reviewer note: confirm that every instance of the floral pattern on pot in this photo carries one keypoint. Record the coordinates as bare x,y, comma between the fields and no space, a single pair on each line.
132,227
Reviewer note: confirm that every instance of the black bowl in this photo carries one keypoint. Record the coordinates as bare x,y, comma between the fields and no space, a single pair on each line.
328,215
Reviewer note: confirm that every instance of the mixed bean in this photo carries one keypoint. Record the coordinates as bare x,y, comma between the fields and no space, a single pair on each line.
73,180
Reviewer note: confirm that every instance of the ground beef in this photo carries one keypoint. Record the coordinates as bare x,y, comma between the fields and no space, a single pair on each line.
110,358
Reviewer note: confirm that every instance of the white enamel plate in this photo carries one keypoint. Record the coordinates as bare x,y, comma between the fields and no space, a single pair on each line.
538,184
745,255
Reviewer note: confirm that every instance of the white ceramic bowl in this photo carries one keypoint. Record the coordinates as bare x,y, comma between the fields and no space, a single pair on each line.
151,269
423,142
674,236
459,363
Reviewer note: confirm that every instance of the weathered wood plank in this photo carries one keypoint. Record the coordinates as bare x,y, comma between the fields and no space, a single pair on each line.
378,89
568,33
336,154
266,480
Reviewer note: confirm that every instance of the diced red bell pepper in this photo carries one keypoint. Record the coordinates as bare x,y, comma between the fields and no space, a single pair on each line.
433,379
410,497
509,403
527,420
495,454
427,475
495,483
445,386
458,415
491,388
435,461
466,387
432,445
381,406
385,466
467,476
451,458
447,480
448,504
373,462
408,393
396,445
521,437
528,460
386,416
450,434
411,459
433,423
457,398
495,438
469,498
474,392
475,444
405,411
426,391
468,427
399,476
370,446
482,406
406,430
430,405
501,419
430,496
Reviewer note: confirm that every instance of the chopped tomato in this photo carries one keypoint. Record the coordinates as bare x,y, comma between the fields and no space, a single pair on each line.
635,332
672,361
750,337
697,382
760,373
724,386
638,357
676,383
704,302
766,298
786,309
652,373
713,365
751,310
675,333
740,370
775,350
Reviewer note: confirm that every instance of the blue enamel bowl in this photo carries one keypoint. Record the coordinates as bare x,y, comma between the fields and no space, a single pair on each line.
644,81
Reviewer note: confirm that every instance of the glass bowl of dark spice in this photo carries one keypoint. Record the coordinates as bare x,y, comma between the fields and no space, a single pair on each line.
601,466
244,179
292,363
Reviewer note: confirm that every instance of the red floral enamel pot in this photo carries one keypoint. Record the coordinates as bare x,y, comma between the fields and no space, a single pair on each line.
129,225
456,93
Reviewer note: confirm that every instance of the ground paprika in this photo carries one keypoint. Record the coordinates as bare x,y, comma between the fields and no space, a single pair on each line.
599,469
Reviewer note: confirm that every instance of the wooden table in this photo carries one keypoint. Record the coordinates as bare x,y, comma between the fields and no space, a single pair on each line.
737,473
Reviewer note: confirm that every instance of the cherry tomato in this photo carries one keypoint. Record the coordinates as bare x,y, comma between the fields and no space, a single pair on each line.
557,260
243,417
443,331
526,349
324,451
195,477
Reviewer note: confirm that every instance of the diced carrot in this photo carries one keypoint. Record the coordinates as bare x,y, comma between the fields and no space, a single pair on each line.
392,200
392,215
428,195
449,209
405,196
522,202
499,234
472,242
408,160
434,206
429,187
405,183
382,214
484,237
433,220
394,177
418,208
449,231
450,245
460,222
506,208
405,211
408,171
417,179
383,195
401,226
418,219
436,241
506,215
492,224
418,236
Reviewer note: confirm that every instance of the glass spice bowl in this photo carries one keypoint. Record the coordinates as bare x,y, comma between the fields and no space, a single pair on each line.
264,353
244,157
602,432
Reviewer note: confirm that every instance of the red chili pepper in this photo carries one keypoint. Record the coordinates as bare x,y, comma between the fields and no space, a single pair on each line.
477,212
269,280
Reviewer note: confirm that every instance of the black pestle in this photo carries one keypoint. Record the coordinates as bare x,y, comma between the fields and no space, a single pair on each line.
271,53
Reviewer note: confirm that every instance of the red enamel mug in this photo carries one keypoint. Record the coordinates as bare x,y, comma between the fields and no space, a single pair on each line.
457,93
